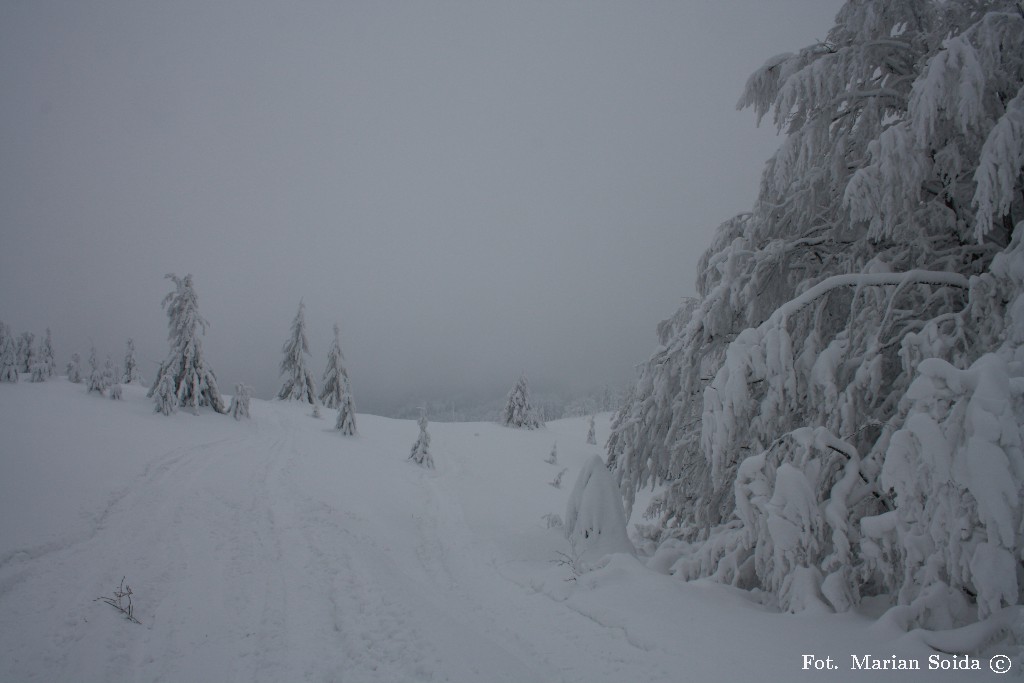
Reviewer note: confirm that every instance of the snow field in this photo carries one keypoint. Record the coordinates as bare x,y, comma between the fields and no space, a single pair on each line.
276,549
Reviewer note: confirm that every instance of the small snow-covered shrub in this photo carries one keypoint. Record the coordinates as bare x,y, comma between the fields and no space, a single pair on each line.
552,458
346,423
115,392
591,434
557,481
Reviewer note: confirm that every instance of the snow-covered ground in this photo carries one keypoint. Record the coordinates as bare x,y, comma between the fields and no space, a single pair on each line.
275,549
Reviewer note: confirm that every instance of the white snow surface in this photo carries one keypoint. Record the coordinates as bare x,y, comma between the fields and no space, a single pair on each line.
276,549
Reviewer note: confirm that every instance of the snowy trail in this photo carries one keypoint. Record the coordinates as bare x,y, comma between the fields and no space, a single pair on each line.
278,550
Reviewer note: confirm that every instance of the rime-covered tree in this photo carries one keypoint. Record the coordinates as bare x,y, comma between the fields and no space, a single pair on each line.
815,417
164,394
8,355
346,422
552,458
45,355
239,407
591,435
298,384
74,369
96,380
26,351
130,373
518,411
335,377
194,383
421,449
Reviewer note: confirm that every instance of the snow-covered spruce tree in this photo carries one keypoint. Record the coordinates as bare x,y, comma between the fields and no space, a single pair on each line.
46,355
8,355
239,407
26,351
815,416
552,458
591,435
130,373
74,369
298,384
346,422
335,377
421,449
518,411
96,381
192,382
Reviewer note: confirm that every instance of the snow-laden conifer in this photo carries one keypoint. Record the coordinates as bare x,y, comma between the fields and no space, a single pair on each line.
421,449
39,373
239,407
335,377
518,410
802,415
595,523
193,383
8,355
74,368
26,350
163,392
96,381
298,384
552,458
46,355
130,373
591,435
346,422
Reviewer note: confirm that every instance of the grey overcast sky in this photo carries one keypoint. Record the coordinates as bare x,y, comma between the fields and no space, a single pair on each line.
470,189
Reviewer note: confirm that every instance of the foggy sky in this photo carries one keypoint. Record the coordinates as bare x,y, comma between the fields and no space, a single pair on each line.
470,190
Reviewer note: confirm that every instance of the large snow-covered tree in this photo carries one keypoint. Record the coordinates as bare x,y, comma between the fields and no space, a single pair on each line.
518,410
298,384
815,416
335,379
185,373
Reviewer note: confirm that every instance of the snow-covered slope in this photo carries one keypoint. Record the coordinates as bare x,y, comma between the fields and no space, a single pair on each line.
275,549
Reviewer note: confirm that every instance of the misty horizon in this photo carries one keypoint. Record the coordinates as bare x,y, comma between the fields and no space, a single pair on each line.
469,191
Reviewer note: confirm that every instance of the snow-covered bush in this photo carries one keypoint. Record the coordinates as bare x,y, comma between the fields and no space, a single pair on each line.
552,458
298,384
595,523
557,481
239,407
346,422
192,382
116,393
518,411
591,435
335,377
420,453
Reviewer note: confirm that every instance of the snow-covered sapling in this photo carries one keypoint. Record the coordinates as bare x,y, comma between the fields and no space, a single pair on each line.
335,377
557,481
26,351
518,411
552,458
46,355
346,423
8,356
166,398
75,368
239,407
192,382
298,384
421,449
591,435
96,381
39,373
131,366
